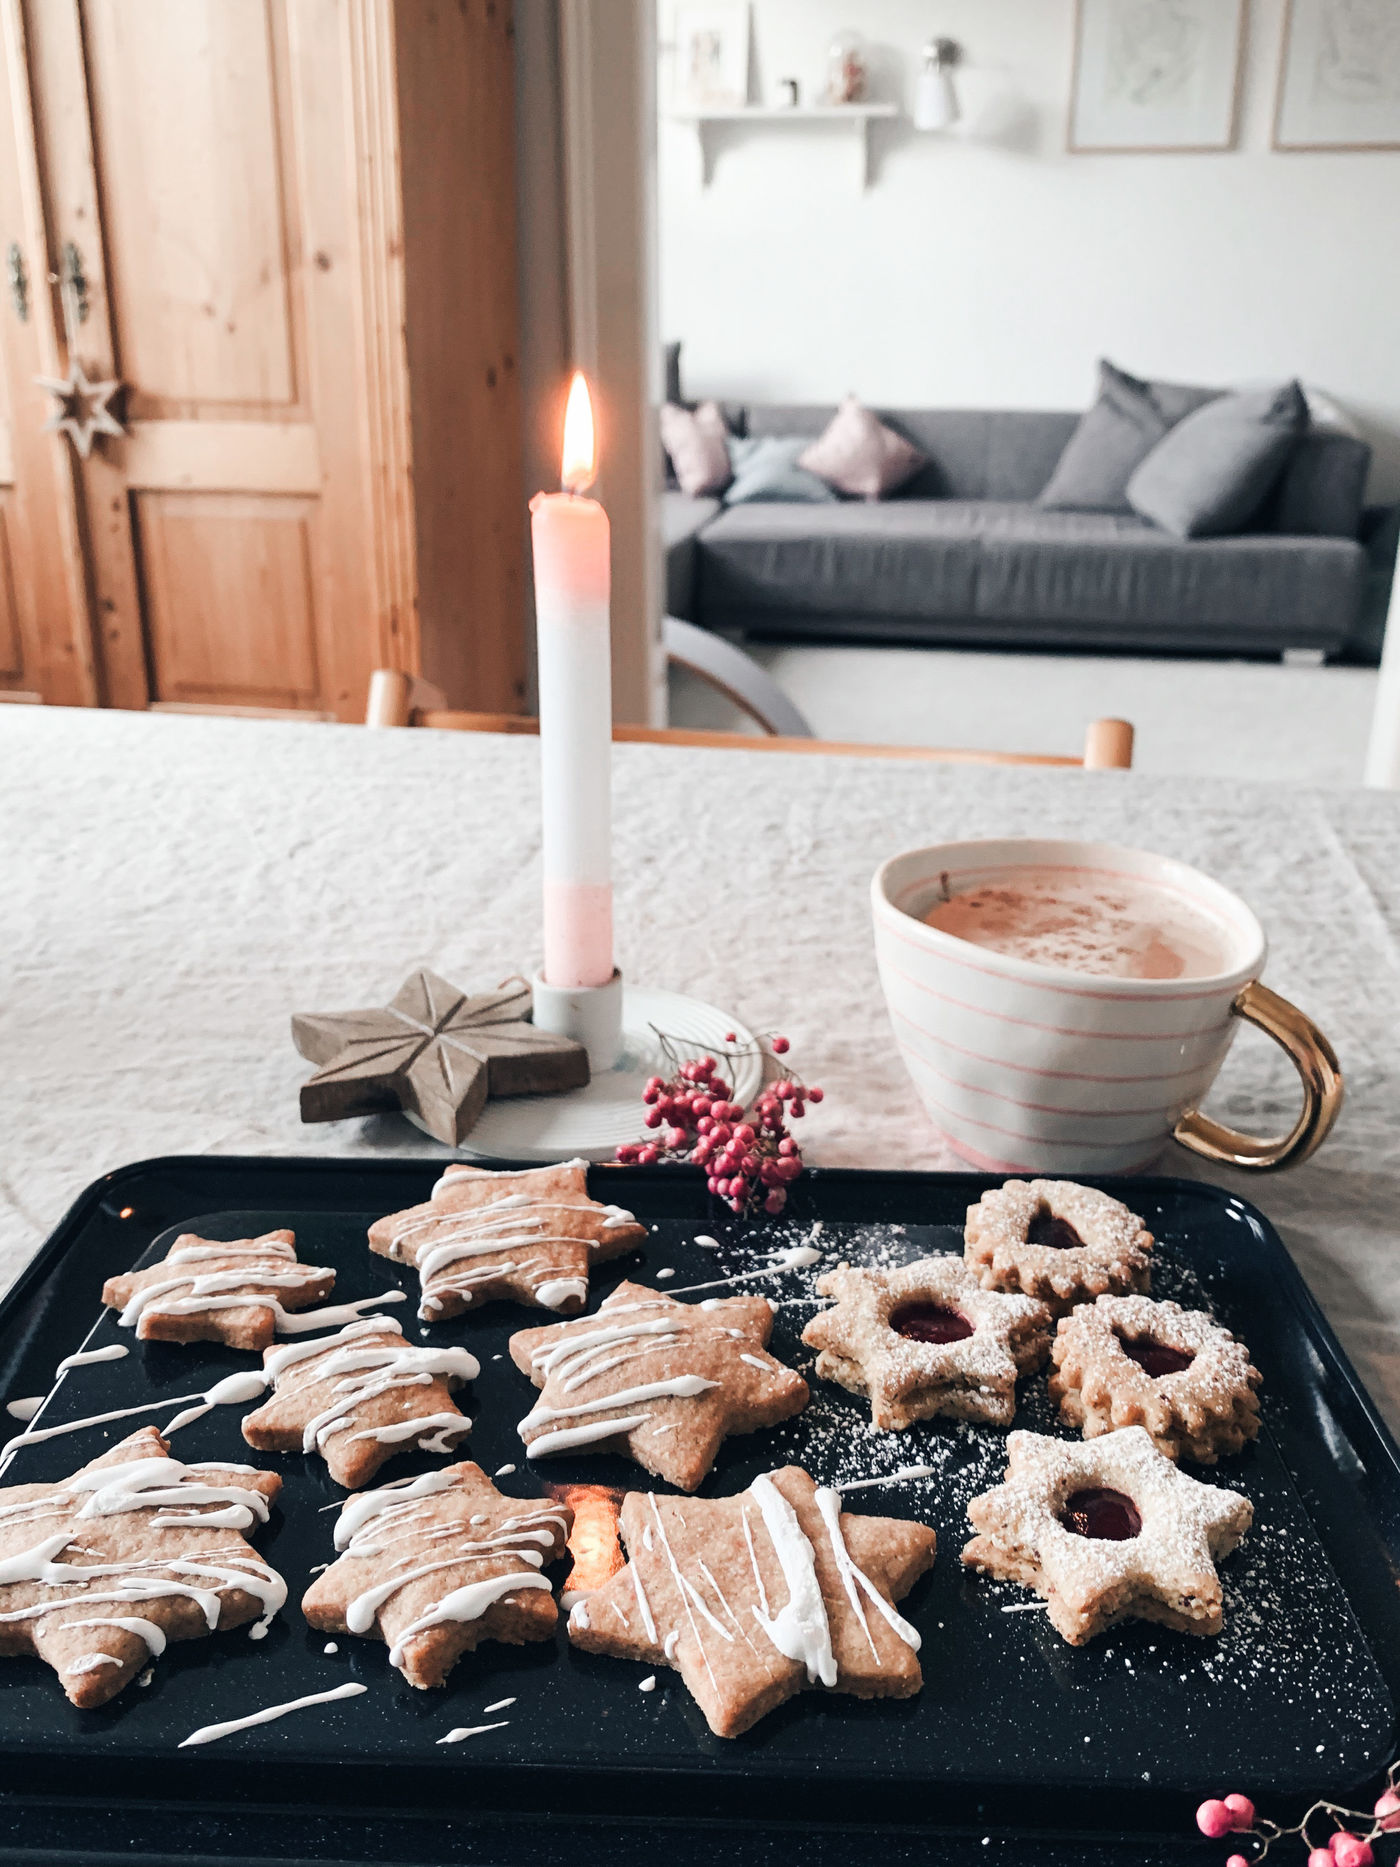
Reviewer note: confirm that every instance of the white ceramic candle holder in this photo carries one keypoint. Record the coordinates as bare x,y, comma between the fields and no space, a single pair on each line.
590,1014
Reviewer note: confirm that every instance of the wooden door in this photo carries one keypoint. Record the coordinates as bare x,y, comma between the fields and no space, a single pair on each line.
200,156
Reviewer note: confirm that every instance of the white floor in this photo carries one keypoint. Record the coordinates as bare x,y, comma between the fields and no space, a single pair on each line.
1227,719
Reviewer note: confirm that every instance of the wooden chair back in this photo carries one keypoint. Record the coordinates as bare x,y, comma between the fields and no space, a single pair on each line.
397,699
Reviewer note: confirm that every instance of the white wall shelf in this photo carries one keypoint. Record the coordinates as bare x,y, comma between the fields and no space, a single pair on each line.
857,117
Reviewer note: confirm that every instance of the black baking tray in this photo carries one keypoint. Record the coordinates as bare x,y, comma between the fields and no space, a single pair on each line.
1014,1736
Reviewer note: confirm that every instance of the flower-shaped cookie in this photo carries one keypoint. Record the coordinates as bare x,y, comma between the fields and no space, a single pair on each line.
1106,1531
1059,1242
926,1339
1129,1361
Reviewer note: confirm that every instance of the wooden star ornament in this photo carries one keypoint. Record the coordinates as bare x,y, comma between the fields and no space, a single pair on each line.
433,1052
754,1598
103,1569
81,408
434,1565
663,1382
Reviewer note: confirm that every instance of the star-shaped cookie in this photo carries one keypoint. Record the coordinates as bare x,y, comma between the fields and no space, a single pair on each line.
134,1550
532,1236
360,1396
663,1382
435,1053
437,1564
925,1340
208,1290
754,1598
1107,1531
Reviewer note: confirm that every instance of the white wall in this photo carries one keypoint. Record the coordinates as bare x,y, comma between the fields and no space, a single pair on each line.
982,273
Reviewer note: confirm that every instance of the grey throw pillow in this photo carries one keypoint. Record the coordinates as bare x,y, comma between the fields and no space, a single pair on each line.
1113,438
765,468
1213,471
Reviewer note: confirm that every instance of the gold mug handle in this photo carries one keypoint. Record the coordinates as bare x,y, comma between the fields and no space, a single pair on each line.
1316,1063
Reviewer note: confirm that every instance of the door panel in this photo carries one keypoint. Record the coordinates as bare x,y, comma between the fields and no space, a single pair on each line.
208,559
11,644
200,248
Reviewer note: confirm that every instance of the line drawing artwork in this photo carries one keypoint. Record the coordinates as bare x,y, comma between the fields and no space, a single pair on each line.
1358,57
1154,53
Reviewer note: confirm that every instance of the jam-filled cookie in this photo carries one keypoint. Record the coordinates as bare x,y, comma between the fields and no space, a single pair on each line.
925,1340
1107,1530
1058,1242
1130,1361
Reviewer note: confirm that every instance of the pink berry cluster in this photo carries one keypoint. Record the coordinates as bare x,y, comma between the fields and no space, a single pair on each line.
750,1158
1343,1847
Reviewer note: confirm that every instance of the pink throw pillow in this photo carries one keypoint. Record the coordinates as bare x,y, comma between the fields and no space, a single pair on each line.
858,454
697,444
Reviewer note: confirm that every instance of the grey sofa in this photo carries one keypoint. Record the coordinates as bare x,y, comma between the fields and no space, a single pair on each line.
962,554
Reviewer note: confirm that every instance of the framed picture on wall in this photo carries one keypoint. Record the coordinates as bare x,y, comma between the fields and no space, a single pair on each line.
1155,74
1339,78
712,55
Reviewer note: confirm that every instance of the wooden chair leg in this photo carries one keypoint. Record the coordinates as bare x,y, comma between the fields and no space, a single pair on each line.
1108,746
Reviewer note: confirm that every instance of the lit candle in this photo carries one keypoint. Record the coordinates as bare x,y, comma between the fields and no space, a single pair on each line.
572,587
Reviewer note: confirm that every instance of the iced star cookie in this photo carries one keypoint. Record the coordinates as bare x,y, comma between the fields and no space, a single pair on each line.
435,1565
360,1396
1058,1242
1130,1361
753,1598
663,1382
210,1290
1106,1531
531,1236
102,1570
927,1340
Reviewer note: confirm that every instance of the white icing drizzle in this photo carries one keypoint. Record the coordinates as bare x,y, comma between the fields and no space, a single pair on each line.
648,1684
473,1247
356,1368
680,1386
753,1559
331,1646
501,1704
460,1731
671,1642
905,1473
25,1408
210,1733
175,1494
397,1513
795,1258
800,1629
504,1471
232,1389
86,1356
90,1662
643,1604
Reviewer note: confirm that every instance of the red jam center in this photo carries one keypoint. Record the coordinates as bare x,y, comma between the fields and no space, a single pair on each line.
930,1322
1046,1229
1105,1515
1155,1357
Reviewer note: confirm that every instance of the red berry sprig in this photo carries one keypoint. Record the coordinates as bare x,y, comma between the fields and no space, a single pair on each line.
1344,1847
749,1156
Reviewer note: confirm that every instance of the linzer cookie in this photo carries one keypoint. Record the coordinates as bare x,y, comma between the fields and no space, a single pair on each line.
752,1599
359,1397
238,1291
1127,1361
103,1569
1058,1242
927,1340
531,1236
437,1564
1107,1531
661,1381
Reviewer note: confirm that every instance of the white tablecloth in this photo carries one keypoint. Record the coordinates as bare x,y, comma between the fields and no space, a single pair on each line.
172,888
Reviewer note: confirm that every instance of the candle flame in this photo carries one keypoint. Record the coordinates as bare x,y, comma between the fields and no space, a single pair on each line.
579,465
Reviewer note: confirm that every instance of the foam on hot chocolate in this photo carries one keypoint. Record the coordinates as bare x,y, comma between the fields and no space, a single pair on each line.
1088,921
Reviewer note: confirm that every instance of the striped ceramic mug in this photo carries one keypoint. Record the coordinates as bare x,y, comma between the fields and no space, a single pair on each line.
1028,1069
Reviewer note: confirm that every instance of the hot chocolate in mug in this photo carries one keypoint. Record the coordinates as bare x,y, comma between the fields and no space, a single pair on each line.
1080,1012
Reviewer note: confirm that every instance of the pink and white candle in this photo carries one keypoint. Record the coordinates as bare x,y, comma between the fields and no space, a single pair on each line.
570,536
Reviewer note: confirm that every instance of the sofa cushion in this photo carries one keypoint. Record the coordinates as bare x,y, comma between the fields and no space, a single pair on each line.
857,454
695,440
1323,489
766,469
1213,471
1113,438
1027,573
